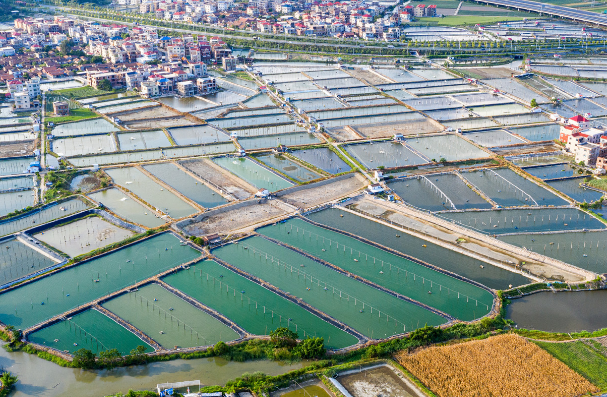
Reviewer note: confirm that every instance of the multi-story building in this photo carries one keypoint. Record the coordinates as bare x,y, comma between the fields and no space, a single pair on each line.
32,87
149,89
22,100
206,85
187,88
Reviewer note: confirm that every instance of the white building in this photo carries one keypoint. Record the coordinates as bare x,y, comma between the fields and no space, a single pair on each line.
22,100
32,86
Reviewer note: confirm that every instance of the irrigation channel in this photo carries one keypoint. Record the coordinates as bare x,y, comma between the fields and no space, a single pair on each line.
43,378
560,312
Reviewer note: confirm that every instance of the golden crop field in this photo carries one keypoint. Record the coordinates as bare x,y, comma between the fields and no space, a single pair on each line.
502,366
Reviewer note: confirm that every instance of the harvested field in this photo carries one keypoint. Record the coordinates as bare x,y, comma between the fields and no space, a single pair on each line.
321,192
15,149
155,124
378,381
368,76
221,179
411,127
504,365
147,114
235,217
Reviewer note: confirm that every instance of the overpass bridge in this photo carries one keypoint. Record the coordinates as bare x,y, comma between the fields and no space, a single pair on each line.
550,9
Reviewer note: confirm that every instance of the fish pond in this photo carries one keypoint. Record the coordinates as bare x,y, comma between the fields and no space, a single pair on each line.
573,187
288,167
322,158
538,133
90,330
18,260
253,307
449,147
85,127
253,173
37,301
126,207
271,141
186,184
384,154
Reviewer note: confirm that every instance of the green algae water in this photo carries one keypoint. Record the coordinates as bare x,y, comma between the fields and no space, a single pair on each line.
89,330
251,306
374,313
458,298
39,300
168,319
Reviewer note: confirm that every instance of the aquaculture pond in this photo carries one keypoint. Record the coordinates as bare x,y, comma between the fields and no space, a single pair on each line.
253,173
85,127
186,105
11,201
553,171
470,123
267,130
126,207
305,391
572,188
525,220
90,330
81,145
15,183
146,155
250,121
151,192
46,297
168,319
583,249
15,165
458,298
380,380
83,235
437,255
106,97
18,260
253,307
498,110
271,141
288,167
561,312
539,159
493,138
197,134
322,158
372,312
143,140
42,215
386,153
186,184
538,133
509,189
449,147
438,193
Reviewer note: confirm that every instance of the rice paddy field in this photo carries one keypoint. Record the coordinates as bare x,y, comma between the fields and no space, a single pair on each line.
44,298
83,235
91,330
168,319
402,275
251,306
505,365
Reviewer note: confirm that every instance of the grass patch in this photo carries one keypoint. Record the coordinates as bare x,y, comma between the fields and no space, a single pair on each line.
600,183
243,75
80,92
463,20
584,358
75,115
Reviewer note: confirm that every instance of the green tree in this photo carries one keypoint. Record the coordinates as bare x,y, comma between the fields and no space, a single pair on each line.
283,337
311,348
427,335
7,380
105,85
533,103
137,355
84,358
110,358
220,348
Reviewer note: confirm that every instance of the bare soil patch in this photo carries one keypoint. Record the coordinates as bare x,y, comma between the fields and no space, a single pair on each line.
368,76
322,192
147,113
15,149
